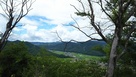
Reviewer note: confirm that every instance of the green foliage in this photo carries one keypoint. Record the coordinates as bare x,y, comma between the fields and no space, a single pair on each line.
82,14
99,48
127,63
16,61
56,67
13,60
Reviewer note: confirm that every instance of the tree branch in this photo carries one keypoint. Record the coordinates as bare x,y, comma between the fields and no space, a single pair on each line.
66,43
10,8
97,27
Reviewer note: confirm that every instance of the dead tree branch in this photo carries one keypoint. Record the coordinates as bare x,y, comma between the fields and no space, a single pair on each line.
14,11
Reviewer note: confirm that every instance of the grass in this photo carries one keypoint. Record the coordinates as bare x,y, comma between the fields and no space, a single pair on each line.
78,55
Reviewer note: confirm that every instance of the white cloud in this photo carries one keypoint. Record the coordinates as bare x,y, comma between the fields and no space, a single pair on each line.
2,24
58,12
42,35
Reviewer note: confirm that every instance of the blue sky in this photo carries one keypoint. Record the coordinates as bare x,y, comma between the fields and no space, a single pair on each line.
48,17
42,22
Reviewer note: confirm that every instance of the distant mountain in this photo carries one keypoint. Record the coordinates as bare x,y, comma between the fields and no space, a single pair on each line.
77,47
35,49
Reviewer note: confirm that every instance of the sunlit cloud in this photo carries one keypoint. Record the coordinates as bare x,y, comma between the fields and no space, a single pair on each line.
48,17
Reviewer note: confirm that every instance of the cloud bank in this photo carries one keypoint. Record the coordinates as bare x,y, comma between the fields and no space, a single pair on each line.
48,17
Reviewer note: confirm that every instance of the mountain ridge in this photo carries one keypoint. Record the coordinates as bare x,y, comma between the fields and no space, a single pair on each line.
77,47
34,49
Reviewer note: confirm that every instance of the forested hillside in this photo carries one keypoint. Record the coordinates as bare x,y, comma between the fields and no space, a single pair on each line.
77,47
17,61
34,49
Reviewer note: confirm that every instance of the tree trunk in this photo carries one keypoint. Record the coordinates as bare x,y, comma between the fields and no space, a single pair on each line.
113,55
4,39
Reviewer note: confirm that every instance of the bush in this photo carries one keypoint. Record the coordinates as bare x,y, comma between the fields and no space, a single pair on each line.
57,67
13,60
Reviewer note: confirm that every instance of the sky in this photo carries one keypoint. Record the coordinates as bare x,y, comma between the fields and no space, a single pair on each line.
48,17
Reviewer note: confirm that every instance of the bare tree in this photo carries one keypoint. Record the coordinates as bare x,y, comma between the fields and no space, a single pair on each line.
65,42
13,11
118,13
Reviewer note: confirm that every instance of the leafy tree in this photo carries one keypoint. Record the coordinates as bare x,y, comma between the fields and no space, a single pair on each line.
118,13
13,11
57,67
14,59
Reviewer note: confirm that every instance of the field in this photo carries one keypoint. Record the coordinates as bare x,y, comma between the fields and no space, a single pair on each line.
78,55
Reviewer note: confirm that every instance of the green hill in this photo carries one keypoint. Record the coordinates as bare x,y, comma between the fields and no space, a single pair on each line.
35,50
77,47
